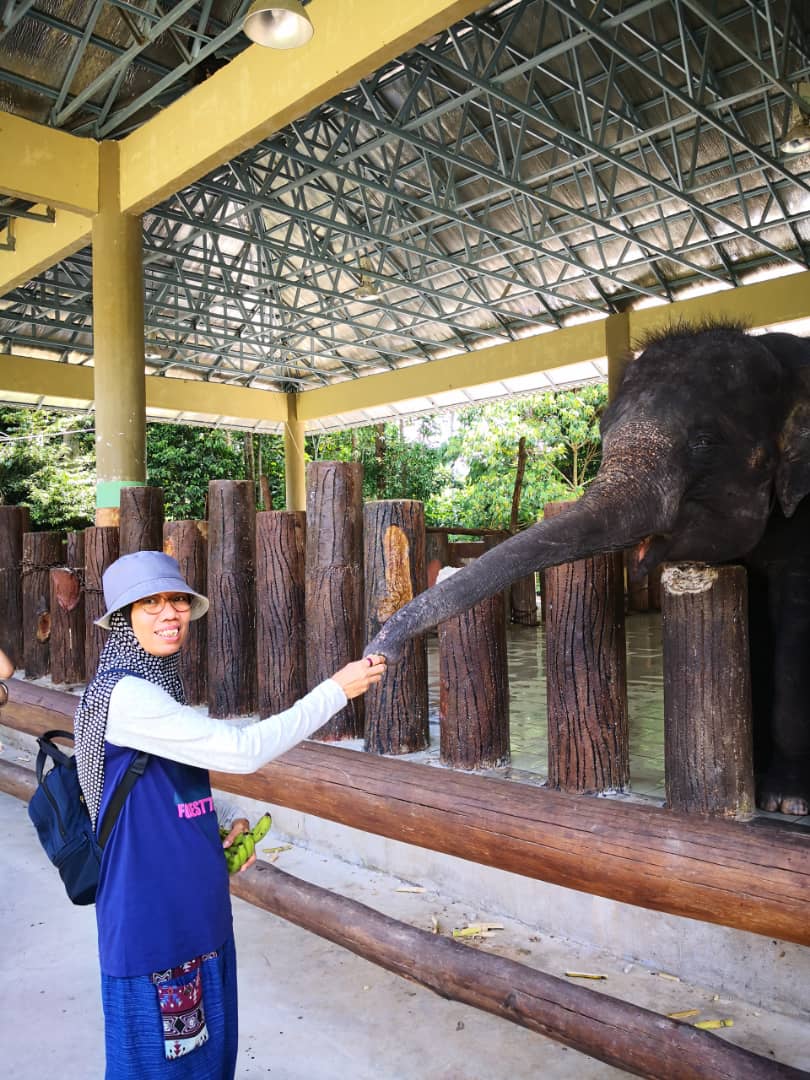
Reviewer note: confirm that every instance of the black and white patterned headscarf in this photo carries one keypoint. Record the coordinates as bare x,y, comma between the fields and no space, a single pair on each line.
122,655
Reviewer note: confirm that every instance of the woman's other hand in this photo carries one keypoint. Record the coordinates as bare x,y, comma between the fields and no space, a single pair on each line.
355,678
6,666
240,825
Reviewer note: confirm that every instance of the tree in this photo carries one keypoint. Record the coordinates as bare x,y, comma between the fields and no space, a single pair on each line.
393,467
563,451
47,463
182,460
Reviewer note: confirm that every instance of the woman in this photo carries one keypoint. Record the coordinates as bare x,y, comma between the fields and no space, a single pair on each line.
6,666
6,671
163,905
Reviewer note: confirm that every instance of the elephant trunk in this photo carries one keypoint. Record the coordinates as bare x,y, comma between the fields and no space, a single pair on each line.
626,502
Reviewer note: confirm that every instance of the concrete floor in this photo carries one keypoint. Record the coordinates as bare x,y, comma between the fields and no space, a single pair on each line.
310,1010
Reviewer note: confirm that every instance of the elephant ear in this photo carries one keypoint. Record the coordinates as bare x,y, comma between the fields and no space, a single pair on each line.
793,471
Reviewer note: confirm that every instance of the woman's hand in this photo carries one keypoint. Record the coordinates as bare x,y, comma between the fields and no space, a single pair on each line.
240,825
6,671
357,677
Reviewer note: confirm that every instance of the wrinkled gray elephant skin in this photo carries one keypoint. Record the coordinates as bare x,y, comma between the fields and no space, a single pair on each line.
706,457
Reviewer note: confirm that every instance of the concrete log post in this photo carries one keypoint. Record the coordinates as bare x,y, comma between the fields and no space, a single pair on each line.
394,572
281,638
334,582
437,553
187,542
67,615
141,519
232,593
14,522
41,551
708,745
474,687
586,673
100,549
523,594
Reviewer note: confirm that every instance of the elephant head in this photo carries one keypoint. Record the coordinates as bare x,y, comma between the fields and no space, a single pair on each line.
709,428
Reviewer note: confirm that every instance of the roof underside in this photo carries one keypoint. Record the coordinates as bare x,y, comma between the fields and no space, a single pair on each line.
539,163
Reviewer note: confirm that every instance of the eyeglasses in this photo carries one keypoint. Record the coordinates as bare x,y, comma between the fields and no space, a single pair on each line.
153,605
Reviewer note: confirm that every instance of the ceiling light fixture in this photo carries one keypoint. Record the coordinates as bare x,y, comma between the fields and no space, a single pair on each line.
797,137
278,24
368,286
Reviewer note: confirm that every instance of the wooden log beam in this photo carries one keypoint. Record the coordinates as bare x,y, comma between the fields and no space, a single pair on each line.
746,876
16,780
640,1041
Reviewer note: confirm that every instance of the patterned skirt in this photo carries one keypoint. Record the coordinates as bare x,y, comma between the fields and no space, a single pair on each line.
138,1010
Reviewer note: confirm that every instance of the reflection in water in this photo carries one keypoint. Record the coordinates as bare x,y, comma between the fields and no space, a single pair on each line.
527,686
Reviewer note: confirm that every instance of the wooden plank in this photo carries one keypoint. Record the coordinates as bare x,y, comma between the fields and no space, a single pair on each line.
747,876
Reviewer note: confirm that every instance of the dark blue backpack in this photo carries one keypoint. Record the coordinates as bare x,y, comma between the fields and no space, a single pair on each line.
59,813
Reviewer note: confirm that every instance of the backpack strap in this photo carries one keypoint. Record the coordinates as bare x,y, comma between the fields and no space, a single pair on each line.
49,749
119,796
130,777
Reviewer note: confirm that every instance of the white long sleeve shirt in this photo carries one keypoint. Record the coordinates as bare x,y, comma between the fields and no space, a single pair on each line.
143,716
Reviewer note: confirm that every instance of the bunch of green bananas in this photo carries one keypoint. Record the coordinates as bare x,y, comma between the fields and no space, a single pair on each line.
245,844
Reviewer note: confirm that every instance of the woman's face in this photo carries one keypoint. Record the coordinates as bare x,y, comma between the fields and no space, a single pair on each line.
160,622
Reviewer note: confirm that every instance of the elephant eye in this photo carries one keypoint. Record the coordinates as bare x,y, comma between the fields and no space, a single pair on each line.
702,441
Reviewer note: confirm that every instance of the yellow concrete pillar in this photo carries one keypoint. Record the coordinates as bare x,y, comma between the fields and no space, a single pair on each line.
617,349
119,380
294,470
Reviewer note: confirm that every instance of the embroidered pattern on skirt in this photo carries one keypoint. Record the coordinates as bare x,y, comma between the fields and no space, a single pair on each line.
182,1014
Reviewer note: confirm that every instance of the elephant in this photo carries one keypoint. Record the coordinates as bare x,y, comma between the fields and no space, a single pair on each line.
706,458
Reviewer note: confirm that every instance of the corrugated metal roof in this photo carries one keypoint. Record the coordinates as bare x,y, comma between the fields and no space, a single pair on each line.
539,162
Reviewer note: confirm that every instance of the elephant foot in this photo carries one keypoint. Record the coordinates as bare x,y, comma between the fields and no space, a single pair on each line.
784,791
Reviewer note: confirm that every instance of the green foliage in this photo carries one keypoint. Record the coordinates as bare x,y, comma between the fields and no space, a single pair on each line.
48,465
183,459
562,439
393,467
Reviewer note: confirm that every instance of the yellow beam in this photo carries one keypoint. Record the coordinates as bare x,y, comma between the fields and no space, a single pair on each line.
215,399
261,91
539,353
40,244
765,303
44,165
47,378
41,378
